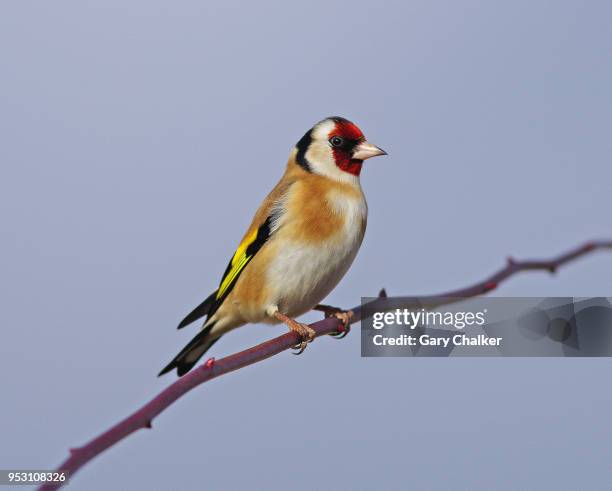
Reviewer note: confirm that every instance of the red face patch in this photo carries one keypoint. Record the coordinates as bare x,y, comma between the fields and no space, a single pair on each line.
351,136
347,130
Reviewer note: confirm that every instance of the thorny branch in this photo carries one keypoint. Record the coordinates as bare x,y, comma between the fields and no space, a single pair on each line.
212,368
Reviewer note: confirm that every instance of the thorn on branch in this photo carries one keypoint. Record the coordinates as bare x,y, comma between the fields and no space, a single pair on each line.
382,293
147,424
490,285
73,450
511,261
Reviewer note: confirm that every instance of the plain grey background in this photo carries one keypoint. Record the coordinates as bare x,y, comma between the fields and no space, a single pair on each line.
137,139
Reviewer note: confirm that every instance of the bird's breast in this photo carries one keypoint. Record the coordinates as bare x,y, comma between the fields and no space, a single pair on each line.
314,250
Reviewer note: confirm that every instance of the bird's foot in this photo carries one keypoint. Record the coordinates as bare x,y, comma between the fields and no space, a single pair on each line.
345,316
307,333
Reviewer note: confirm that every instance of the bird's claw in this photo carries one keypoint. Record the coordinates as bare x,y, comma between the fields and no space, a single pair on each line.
345,316
299,348
341,333
307,334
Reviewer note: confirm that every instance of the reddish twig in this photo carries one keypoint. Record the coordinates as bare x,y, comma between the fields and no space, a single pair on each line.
142,418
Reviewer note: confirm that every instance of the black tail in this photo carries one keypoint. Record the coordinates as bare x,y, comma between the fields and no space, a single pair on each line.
190,354
200,311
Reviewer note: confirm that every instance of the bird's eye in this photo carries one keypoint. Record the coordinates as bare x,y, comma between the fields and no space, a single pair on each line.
336,141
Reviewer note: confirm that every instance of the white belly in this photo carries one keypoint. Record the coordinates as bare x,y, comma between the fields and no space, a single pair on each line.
303,275
306,275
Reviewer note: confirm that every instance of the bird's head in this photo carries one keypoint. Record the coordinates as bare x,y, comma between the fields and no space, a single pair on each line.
335,148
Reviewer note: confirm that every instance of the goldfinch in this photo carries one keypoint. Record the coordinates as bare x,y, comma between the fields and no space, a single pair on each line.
301,242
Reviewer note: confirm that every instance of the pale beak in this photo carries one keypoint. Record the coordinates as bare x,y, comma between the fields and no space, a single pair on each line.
366,150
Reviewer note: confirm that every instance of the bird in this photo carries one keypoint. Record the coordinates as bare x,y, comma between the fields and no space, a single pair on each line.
301,242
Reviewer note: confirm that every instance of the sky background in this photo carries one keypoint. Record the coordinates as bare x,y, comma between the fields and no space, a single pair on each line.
137,139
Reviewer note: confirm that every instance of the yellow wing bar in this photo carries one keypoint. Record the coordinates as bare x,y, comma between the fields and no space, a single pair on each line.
237,264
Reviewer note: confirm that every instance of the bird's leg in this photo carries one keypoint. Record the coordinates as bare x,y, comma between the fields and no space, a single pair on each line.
344,316
306,333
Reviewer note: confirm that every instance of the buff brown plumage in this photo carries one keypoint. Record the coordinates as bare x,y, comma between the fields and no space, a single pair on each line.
301,241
